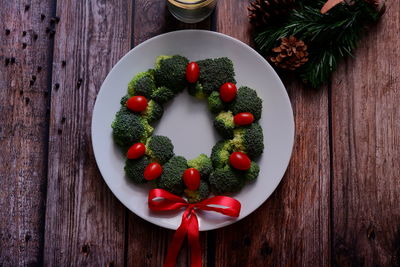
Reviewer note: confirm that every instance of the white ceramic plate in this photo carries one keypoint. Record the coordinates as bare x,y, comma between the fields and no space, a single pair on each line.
189,124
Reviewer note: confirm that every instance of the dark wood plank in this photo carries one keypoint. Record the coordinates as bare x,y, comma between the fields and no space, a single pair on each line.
85,224
366,146
292,227
23,129
148,244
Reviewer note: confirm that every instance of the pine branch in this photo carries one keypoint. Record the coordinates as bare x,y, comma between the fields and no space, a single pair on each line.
329,36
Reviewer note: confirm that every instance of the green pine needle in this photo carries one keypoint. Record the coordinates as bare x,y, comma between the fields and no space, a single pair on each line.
329,37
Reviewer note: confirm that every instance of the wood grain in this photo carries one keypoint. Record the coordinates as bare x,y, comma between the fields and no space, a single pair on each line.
85,224
292,227
23,130
148,244
366,149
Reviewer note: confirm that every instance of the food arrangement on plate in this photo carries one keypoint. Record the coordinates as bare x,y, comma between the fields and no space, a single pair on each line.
151,158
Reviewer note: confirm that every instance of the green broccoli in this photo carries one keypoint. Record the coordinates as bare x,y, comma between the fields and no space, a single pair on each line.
247,101
159,148
170,71
153,112
171,178
203,164
128,128
215,104
249,139
220,153
224,124
198,195
251,174
162,95
214,73
197,91
142,84
134,169
124,99
225,180
148,130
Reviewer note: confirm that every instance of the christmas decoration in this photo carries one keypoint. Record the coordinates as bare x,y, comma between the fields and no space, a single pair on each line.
290,54
161,200
313,36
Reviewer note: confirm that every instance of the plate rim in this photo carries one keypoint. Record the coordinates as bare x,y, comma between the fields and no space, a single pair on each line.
244,45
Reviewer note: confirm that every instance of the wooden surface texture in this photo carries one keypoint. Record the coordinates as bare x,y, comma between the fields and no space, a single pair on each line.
337,205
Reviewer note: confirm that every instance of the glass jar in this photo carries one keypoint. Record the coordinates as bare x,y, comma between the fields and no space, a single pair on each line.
191,11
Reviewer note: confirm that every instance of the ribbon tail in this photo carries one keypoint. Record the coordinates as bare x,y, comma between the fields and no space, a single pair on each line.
194,242
176,243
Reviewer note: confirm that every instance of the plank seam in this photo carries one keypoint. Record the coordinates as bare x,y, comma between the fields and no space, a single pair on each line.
47,137
331,176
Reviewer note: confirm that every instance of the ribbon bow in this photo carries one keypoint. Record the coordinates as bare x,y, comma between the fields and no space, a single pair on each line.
161,200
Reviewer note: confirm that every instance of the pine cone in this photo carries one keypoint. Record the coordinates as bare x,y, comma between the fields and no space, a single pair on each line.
290,54
262,12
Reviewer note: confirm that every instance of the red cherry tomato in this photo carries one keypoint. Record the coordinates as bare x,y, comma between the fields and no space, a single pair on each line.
137,103
136,151
244,118
227,92
240,161
192,72
191,178
152,171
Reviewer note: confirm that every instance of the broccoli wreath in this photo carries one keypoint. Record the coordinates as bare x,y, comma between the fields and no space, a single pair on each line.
151,158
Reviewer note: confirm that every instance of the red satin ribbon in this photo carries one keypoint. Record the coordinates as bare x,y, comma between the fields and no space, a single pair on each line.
161,200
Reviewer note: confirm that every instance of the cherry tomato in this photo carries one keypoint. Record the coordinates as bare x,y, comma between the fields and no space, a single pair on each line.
192,72
136,151
227,92
244,118
152,171
191,178
240,161
137,103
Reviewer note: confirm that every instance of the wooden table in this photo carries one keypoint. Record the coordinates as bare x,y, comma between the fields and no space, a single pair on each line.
338,203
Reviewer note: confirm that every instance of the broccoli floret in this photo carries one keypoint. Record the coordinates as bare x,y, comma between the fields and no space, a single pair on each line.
145,86
225,180
162,95
214,73
198,195
251,174
224,124
144,82
170,71
171,178
159,148
203,164
215,104
148,129
134,169
220,153
249,140
128,128
197,91
153,112
247,101
124,99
